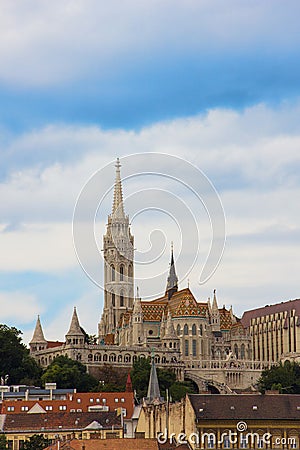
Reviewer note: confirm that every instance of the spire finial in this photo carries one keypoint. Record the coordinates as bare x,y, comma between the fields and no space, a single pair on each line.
118,208
137,292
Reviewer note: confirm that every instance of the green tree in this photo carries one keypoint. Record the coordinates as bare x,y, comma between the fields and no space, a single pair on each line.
67,373
140,376
283,377
36,442
3,442
111,379
15,361
166,378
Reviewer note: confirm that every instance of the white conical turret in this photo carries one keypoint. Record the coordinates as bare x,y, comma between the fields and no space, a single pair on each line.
38,341
75,335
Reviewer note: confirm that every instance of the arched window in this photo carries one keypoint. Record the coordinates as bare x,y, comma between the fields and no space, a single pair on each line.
130,271
113,299
113,273
121,299
243,351
121,273
178,330
201,330
236,351
186,330
194,330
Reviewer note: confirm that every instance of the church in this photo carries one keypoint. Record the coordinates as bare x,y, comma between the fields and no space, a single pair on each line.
197,339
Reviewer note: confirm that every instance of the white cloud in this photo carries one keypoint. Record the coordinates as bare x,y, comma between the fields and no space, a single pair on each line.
50,42
18,306
252,157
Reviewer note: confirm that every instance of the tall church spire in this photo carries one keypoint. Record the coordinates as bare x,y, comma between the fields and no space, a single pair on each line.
172,282
118,250
118,207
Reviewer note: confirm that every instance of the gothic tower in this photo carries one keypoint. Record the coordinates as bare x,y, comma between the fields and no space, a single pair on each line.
118,263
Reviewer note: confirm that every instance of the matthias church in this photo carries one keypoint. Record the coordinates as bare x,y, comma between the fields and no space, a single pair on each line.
197,339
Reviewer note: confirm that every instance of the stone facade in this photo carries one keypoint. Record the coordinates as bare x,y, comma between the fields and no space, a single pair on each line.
274,331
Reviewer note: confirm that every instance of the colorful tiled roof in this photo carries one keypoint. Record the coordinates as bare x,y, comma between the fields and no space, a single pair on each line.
225,319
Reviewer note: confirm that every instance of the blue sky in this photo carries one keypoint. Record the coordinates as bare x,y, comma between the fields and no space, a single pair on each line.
82,82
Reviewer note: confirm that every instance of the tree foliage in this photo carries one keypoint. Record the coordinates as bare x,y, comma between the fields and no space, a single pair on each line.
36,442
283,377
112,379
3,442
67,373
166,378
15,361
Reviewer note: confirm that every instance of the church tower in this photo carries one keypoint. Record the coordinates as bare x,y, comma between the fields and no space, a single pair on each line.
118,263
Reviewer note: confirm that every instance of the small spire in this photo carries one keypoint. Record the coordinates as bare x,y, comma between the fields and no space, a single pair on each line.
170,330
137,292
215,303
118,207
38,335
172,282
153,387
128,384
75,328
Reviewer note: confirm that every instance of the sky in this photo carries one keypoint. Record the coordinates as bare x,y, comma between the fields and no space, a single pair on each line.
213,83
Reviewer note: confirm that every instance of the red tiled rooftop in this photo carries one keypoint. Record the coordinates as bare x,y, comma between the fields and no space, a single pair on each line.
109,444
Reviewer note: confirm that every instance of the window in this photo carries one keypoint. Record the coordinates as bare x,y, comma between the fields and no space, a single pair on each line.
194,348
211,442
62,407
10,408
49,408
79,410
113,273
243,351
79,400
260,443
236,351
116,400
121,299
244,442
24,408
178,330
194,330
186,330
201,330
121,273
186,347
122,400
91,400
113,299
226,442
